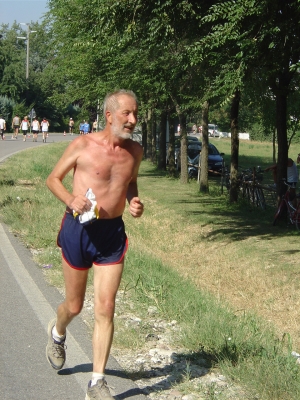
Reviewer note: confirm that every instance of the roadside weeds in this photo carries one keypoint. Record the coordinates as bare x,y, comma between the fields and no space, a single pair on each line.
212,276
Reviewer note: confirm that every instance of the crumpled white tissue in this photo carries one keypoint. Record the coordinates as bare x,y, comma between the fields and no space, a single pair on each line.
93,212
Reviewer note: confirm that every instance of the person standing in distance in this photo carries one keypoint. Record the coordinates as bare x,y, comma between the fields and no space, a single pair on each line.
2,126
24,127
45,126
86,128
178,129
16,125
291,177
81,128
95,126
71,126
105,163
35,129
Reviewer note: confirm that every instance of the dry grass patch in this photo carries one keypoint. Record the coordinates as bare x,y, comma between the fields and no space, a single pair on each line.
25,183
253,274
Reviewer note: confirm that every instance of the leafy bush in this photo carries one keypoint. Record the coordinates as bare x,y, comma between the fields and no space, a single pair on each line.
6,108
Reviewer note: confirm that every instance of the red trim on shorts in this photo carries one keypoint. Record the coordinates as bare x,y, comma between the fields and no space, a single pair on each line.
72,266
62,254
122,256
85,268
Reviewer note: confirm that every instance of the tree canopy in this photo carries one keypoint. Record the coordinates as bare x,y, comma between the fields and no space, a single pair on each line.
177,55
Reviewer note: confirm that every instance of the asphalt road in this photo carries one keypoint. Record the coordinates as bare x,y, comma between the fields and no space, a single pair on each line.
10,146
27,303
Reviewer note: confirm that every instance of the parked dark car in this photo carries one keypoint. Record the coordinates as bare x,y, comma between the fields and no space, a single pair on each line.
215,159
190,139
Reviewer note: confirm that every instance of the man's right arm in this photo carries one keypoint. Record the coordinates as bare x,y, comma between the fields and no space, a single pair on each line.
54,181
65,164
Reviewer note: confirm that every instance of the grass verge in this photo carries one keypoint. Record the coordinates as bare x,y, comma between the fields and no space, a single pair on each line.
220,270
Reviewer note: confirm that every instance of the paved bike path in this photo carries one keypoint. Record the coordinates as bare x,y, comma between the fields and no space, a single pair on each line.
27,303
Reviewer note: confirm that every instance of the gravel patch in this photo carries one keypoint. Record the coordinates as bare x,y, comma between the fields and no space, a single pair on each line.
159,369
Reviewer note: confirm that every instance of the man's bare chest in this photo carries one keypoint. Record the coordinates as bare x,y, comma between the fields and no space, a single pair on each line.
107,166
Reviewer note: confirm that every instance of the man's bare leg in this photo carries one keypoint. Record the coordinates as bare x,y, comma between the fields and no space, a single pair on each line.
75,284
106,283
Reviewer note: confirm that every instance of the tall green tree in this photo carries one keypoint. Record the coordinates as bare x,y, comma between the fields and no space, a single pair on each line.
13,61
264,36
141,44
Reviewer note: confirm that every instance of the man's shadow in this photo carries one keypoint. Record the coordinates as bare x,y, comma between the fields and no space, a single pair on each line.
184,367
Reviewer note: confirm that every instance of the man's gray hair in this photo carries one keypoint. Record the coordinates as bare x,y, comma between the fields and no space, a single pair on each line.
111,102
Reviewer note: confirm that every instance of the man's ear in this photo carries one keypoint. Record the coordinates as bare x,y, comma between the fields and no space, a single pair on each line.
108,117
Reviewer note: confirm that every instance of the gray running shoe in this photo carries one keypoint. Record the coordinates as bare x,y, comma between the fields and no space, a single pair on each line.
55,351
99,391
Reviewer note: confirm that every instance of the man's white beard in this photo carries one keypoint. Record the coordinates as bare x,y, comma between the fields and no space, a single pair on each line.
116,129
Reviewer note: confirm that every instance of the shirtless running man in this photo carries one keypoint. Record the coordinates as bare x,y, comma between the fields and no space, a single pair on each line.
106,162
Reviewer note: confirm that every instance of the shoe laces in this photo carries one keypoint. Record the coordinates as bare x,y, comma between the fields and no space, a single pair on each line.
58,348
103,387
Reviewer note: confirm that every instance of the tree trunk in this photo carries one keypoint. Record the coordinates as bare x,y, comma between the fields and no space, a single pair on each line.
153,142
234,114
274,146
144,137
184,178
281,113
149,135
171,148
204,151
280,87
162,141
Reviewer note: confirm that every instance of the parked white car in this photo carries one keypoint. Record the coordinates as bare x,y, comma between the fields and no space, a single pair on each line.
213,130
223,134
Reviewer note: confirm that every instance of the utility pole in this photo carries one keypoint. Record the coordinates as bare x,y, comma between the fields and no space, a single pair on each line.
29,31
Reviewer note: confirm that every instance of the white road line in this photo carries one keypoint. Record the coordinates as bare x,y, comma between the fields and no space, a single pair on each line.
40,306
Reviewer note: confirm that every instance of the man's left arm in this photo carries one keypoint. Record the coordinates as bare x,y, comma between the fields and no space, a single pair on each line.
136,207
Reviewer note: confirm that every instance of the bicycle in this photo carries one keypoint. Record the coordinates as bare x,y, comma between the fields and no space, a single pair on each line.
249,186
287,205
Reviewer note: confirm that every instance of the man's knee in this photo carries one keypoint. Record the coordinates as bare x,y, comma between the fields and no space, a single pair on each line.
74,308
105,309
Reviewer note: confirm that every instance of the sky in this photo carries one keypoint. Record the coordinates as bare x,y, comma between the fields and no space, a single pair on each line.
21,11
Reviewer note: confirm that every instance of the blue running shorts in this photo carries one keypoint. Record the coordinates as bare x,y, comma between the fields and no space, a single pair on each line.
101,242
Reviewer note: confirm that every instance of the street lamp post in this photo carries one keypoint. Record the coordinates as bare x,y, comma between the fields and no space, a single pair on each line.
29,31
32,115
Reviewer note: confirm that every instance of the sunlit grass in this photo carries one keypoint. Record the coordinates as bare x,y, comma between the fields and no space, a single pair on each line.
222,271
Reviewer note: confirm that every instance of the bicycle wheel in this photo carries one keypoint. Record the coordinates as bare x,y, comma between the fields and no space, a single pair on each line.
297,219
246,190
260,198
279,212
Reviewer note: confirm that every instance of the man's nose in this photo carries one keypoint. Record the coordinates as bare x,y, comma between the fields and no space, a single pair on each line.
132,118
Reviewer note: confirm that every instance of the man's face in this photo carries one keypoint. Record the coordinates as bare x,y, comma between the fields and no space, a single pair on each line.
124,119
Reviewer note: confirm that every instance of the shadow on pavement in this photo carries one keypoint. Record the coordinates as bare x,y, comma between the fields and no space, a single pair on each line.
75,370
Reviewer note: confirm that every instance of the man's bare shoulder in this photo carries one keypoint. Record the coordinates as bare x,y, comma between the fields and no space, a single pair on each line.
134,146
87,144
81,142
76,149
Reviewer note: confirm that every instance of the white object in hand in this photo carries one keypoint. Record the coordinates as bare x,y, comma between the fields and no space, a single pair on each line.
93,212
